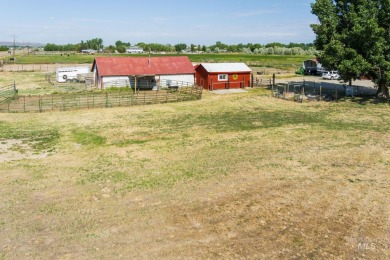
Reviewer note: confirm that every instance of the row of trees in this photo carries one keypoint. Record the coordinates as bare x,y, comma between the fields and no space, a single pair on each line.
120,47
94,44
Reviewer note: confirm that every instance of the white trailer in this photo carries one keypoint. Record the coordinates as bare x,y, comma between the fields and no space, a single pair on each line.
70,73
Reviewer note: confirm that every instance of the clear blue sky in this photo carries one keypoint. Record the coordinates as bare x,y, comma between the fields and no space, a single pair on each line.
164,21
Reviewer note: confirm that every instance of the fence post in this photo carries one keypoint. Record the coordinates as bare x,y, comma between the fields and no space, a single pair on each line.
273,79
40,104
320,92
106,99
314,87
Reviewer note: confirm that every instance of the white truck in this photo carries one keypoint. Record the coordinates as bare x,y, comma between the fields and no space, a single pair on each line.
69,74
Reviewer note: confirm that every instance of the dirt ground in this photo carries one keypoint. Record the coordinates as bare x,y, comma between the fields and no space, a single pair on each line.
288,76
360,87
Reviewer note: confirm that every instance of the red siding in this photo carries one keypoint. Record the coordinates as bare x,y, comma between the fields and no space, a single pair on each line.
201,77
210,80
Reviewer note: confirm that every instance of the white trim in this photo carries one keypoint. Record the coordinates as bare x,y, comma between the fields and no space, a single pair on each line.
223,77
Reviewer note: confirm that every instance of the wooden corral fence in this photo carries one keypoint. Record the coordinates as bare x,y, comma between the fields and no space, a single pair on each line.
34,67
25,68
259,82
7,93
75,101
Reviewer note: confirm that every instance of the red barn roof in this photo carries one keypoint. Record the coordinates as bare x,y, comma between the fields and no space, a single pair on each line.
126,66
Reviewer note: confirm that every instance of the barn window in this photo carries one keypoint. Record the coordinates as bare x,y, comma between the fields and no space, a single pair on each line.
223,77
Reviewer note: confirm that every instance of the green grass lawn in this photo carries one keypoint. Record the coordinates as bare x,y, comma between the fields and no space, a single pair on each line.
278,61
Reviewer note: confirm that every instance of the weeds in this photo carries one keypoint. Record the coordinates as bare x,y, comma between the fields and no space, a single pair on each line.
39,138
88,138
210,170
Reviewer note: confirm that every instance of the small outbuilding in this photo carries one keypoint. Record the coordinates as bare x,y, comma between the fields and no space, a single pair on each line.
214,76
312,67
143,72
135,49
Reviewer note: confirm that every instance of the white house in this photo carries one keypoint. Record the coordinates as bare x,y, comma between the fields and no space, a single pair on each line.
134,49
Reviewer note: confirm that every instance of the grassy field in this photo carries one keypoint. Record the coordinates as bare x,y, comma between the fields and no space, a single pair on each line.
278,61
35,83
229,176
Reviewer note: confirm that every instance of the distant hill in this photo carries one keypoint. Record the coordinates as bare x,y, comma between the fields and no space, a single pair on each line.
21,44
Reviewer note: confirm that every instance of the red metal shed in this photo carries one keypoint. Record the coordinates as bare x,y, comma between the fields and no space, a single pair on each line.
223,75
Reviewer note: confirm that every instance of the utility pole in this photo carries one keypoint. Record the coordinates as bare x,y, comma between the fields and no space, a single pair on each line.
13,49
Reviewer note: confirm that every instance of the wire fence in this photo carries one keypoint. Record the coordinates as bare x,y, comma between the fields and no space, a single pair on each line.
319,91
7,92
75,101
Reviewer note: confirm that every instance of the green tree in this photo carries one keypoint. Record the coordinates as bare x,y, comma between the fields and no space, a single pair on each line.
121,49
180,46
354,38
67,47
120,43
193,48
50,47
110,49
95,44
274,44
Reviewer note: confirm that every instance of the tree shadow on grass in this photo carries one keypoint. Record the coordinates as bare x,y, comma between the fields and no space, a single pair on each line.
364,100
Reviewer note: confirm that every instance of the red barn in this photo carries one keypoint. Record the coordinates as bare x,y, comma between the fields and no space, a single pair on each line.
223,75
142,72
